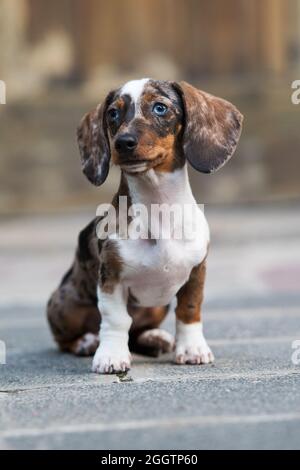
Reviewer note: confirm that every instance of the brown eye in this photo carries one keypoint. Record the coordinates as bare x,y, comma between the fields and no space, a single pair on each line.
113,114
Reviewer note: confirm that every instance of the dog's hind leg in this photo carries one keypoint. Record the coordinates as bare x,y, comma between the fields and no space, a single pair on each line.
75,326
145,336
72,309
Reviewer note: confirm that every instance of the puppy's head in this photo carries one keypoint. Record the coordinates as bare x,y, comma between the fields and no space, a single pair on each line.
158,124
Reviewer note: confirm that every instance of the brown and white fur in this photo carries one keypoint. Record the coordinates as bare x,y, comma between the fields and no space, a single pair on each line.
123,287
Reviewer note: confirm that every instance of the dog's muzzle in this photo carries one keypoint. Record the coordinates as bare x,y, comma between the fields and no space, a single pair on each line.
126,144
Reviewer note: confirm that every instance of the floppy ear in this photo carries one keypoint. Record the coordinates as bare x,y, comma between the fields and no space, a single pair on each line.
93,144
212,128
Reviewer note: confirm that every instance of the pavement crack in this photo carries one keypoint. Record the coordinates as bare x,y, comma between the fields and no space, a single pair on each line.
20,390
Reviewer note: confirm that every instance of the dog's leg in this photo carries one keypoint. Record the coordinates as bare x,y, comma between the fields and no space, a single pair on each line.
154,342
191,346
72,309
145,336
113,353
74,320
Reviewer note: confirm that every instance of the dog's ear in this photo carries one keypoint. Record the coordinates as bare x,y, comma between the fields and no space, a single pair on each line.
94,145
212,128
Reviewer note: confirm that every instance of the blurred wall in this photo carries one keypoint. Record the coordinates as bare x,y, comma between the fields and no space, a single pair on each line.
200,36
59,58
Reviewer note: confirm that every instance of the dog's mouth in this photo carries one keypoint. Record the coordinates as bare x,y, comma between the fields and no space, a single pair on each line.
140,166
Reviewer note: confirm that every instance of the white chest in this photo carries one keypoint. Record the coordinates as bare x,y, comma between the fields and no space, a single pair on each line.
155,280
154,269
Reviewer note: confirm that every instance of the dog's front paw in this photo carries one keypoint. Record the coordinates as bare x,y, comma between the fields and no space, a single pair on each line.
110,360
191,346
200,354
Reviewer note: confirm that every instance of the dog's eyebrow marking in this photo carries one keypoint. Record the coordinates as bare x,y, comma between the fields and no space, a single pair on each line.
162,92
134,89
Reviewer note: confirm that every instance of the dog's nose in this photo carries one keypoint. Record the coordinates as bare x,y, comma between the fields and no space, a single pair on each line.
126,143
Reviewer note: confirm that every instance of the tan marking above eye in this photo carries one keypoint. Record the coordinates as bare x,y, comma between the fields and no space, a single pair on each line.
151,98
119,103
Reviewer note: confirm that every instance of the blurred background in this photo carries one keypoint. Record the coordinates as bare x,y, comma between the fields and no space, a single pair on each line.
60,58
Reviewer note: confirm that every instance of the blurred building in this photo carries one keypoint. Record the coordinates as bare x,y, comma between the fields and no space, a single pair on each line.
59,58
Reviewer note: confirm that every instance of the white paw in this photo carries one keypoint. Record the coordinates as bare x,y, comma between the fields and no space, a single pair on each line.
191,346
197,354
109,360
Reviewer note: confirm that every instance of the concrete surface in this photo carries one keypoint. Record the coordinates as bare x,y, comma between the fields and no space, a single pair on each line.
249,399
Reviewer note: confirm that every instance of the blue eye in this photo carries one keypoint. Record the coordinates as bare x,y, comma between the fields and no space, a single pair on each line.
160,109
113,114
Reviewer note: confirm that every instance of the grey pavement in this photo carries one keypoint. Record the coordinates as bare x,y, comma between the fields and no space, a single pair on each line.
250,397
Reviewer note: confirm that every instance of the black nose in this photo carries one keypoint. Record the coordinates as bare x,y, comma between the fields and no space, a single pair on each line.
126,143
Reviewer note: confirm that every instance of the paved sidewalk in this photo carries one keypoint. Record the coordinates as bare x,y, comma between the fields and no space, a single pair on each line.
250,398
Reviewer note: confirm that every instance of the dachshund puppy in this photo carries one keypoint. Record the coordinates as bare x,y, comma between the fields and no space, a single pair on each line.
119,288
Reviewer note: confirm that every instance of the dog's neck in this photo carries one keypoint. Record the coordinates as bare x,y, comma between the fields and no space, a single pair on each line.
155,187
